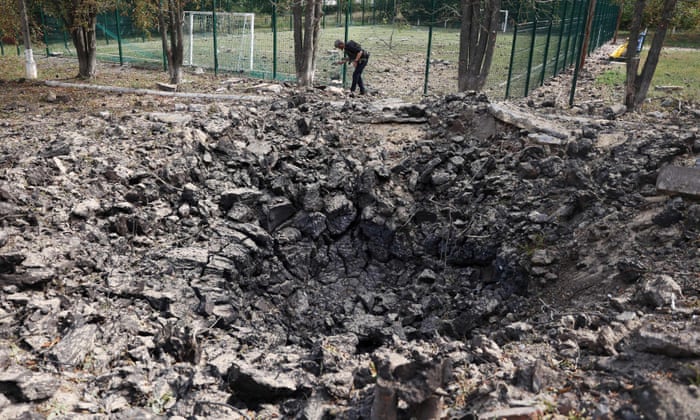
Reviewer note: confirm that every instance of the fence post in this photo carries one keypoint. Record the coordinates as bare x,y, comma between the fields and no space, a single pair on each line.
569,33
512,55
43,26
587,32
579,63
546,48
119,35
617,23
165,58
532,53
104,29
561,35
579,32
363,13
348,10
216,47
430,44
274,39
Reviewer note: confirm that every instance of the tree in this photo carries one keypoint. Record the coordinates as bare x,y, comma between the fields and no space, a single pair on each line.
307,25
477,41
170,15
637,84
30,64
80,18
687,16
9,21
167,16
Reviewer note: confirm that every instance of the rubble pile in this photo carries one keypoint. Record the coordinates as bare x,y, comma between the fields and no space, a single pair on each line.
309,255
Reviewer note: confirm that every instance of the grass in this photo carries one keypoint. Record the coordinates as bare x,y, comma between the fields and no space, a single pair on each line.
676,67
400,50
392,48
683,40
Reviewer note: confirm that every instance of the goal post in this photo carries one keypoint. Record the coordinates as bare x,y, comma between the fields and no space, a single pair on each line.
235,39
504,16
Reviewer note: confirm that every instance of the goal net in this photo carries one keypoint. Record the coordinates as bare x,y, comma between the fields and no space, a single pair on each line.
233,38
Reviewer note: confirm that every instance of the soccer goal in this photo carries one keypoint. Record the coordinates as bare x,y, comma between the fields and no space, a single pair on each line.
503,21
231,34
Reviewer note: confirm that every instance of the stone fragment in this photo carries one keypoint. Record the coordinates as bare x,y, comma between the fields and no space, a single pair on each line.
661,290
679,180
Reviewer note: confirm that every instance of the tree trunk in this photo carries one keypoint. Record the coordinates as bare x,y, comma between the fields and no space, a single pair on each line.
85,41
306,37
176,47
30,64
477,42
170,21
637,84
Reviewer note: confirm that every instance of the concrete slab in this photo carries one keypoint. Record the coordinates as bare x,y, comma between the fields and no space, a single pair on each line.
679,179
528,121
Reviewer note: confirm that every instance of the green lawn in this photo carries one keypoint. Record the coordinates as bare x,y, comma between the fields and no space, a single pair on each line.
678,66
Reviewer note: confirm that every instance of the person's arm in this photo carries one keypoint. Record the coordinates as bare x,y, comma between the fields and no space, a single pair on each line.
357,57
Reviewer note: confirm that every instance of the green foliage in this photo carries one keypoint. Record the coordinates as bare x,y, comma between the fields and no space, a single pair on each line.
687,15
9,19
75,13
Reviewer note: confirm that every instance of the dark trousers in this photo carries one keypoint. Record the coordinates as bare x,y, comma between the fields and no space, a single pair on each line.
357,76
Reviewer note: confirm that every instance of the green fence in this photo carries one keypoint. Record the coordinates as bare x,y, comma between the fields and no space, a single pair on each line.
417,48
553,42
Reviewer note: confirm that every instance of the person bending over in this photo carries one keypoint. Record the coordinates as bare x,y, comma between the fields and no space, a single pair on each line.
355,54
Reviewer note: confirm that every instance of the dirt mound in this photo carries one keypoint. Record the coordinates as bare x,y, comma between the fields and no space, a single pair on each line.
284,253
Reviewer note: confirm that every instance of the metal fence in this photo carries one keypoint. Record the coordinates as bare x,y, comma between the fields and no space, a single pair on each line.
546,46
424,36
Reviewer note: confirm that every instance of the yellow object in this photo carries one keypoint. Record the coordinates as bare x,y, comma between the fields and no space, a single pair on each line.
619,53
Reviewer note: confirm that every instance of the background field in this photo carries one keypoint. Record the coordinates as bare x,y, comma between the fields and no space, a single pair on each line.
398,63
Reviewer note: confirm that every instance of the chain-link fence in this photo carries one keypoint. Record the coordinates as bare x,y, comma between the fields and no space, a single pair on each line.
414,44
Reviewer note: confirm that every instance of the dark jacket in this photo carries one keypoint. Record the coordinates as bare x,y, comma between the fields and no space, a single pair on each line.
352,48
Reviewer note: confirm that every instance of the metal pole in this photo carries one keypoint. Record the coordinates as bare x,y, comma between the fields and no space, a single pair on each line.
216,48
561,35
512,55
274,39
568,34
43,25
348,10
191,39
165,58
430,43
119,35
363,13
252,40
529,60
578,66
546,48
587,32
619,17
